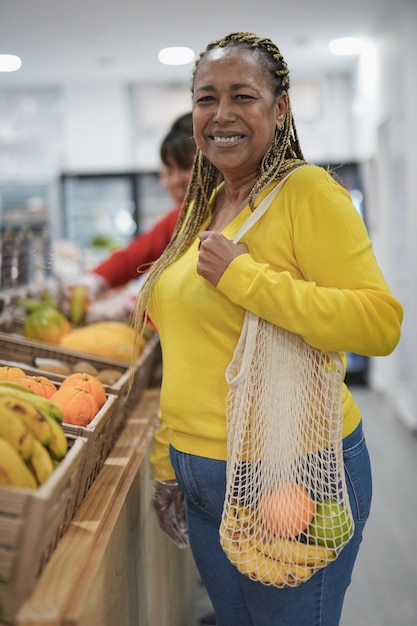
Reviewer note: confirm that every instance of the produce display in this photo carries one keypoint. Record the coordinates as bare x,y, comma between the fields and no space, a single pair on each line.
61,413
46,320
32,413
32,439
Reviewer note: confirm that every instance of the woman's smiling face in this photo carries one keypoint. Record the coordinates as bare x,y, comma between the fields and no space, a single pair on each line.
235,113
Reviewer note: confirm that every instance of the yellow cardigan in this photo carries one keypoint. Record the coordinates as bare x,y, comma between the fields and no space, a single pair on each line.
310,269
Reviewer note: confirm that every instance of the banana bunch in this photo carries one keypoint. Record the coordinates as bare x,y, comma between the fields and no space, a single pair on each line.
280,562
32,440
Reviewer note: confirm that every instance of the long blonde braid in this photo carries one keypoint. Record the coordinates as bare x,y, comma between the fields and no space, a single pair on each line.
283,155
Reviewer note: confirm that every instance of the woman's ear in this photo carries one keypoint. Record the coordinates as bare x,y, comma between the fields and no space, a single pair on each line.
281,109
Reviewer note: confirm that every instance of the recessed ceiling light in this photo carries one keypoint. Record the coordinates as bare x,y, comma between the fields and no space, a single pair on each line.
346,46
9,62
177,55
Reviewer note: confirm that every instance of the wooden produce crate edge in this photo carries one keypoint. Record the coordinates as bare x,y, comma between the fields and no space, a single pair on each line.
54,350
12,347
43,516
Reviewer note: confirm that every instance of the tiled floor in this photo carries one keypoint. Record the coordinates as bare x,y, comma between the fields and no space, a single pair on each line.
384,585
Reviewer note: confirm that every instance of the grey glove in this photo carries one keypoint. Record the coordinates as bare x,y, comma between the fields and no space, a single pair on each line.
168,504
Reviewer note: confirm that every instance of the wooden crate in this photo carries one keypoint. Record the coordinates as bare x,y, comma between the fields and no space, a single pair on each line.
114,566
129,388
104,429
101,435
31,524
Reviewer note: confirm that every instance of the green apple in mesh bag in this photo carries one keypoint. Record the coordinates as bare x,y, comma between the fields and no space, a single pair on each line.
331,525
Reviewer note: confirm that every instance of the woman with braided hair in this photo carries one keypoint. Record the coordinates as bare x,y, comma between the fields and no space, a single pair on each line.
307,266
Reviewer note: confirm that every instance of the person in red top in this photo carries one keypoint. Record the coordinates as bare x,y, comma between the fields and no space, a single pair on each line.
177,153
125,264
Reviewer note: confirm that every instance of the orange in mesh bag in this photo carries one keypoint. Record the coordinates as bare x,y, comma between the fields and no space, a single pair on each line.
286,512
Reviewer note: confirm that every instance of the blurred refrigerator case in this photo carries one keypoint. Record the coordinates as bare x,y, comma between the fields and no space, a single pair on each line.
108,210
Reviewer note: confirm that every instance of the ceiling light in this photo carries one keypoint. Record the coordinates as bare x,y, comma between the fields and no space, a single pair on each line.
346,46
9,62
177,55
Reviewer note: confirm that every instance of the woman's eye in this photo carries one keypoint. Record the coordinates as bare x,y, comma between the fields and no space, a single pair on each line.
204,99
243,96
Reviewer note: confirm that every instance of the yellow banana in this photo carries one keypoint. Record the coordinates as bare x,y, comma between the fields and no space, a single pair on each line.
36,423
254,564
7,386
283,549
43,405
289,551
14,430
58,445
78,304
40,463
13,470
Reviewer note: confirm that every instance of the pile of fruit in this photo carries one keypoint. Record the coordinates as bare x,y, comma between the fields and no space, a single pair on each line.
44,320
32,440
32,413
264,542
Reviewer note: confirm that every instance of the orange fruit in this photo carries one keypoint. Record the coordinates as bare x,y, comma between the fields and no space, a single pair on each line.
9,372
78,405
41,385
286,510
89,383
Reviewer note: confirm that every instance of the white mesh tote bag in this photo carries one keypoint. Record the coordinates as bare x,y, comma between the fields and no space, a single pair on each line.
286,512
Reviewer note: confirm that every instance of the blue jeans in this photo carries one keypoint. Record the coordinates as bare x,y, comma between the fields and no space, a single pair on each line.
239,601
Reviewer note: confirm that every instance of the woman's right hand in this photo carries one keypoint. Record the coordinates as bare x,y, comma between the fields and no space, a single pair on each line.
215,255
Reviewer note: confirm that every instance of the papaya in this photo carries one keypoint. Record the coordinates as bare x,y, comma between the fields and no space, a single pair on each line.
46,324
111,339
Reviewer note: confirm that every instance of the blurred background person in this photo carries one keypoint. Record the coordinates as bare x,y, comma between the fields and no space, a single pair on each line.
177,153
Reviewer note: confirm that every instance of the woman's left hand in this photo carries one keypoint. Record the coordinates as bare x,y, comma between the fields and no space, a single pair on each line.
216,254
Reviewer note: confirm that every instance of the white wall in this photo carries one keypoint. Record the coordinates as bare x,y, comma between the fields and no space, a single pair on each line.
97,133
324,123
388,121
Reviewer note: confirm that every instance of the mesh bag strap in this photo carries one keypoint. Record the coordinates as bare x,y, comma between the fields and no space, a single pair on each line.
247,340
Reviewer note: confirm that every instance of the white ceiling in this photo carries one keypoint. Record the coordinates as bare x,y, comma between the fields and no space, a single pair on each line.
62,41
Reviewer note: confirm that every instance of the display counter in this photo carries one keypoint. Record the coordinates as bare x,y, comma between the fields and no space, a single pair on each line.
113,566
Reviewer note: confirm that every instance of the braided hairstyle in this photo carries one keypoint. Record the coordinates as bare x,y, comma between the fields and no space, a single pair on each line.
283,155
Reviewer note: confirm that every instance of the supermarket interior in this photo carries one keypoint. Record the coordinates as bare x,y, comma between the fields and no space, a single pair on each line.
96,153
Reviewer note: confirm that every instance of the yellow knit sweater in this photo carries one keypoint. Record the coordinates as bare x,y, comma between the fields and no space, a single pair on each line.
310,269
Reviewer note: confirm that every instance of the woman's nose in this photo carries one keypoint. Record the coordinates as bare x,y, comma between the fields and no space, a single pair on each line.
224,111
